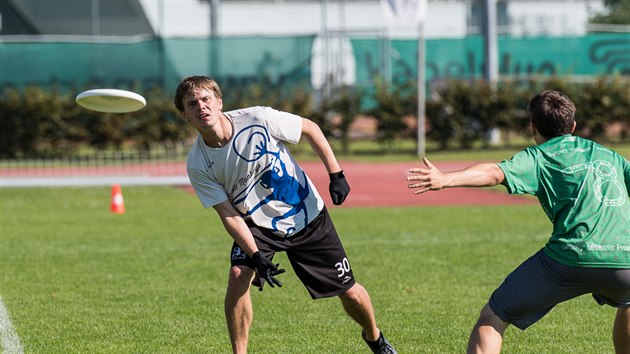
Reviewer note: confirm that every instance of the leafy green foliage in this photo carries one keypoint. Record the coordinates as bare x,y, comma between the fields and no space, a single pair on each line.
603,102
34,123
617,12
462,113
337,113
392,104
40,123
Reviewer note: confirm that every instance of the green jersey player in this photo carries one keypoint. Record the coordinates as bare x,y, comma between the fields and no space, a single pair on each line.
583,188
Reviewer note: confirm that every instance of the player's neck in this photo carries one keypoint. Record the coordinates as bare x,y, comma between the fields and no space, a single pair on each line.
218,135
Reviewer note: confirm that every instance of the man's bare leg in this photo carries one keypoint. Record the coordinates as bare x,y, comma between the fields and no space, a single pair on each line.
238,307
621,331
358,305
487,335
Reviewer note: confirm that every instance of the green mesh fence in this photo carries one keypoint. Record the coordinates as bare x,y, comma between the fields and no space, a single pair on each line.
286,61
77,65
147,64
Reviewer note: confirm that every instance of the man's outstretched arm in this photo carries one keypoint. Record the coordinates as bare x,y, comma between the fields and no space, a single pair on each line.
431,178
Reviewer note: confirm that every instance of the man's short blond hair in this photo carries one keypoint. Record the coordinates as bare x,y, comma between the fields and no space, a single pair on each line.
192,83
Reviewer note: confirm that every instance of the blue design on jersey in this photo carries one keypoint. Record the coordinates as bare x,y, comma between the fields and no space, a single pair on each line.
261,147
274,177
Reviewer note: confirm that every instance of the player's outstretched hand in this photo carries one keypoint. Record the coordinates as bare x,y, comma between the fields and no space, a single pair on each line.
338,188
265,271
426,179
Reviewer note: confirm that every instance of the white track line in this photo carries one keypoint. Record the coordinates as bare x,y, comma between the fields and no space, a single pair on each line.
8,338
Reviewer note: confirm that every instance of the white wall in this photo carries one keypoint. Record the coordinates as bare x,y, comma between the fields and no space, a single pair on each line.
251,17
178,18
555,18
446,18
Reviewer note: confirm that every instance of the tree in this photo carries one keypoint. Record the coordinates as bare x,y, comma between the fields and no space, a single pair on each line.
617,12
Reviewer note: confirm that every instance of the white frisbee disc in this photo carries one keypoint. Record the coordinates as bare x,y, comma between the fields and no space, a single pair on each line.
111,100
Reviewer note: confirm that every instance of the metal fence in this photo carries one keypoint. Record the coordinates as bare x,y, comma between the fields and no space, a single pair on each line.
163,166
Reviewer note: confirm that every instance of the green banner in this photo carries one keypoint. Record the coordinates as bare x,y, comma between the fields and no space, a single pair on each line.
396,60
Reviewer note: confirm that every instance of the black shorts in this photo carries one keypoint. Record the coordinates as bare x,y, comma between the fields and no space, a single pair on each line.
316,255
540,283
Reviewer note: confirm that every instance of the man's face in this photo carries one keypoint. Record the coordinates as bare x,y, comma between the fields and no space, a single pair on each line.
202,108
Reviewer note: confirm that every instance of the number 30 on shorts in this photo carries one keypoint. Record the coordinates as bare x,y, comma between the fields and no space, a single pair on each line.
343,267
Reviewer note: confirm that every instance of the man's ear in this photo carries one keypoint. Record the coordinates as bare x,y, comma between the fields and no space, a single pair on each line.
536,135
533,129
573,128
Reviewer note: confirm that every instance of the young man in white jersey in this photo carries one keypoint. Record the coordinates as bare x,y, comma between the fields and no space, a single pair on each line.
583,188
240,167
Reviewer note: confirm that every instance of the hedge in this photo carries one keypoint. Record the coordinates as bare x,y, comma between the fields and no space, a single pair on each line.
42,122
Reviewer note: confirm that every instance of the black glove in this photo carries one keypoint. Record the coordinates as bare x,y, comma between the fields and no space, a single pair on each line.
338,187
265,271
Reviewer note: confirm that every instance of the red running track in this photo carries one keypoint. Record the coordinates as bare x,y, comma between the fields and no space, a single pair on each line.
372,184
384,184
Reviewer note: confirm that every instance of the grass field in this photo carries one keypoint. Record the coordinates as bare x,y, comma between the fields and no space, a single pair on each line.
76,278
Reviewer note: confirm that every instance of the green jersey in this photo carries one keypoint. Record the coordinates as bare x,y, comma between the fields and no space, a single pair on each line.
583,188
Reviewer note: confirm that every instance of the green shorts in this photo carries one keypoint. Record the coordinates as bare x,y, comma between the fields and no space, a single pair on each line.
540,283
316,255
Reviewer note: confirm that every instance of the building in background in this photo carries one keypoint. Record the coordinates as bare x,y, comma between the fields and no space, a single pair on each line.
191,18
74,18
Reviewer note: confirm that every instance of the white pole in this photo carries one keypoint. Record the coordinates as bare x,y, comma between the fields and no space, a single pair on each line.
160,26
96,21
326,52
341,37
491,50
214,32
214,18
421,90
490,41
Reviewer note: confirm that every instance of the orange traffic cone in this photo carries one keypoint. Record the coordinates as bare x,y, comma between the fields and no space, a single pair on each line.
118,205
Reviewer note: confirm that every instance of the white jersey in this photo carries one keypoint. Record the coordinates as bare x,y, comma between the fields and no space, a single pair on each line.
256,172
